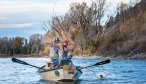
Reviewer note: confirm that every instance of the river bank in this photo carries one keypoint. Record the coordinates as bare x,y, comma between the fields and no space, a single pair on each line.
22,56
141,56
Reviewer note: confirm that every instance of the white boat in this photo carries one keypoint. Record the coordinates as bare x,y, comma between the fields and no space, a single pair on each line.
65,70
62,72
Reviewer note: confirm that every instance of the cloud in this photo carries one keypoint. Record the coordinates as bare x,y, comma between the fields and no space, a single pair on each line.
23,25
43,6
22,14
40,6
3,18
19,6
16,7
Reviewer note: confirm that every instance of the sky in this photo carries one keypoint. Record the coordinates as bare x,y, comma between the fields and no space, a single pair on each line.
26,17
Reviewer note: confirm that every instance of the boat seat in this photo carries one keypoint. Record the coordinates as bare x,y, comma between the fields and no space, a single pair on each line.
64,62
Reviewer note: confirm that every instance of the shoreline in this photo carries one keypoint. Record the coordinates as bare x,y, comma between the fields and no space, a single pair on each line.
141,56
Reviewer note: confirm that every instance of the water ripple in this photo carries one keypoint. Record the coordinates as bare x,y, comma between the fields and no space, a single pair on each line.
116,72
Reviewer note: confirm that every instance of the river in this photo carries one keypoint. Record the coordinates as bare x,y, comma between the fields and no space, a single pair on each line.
116,72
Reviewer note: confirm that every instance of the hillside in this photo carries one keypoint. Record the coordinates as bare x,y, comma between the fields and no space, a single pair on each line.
125,36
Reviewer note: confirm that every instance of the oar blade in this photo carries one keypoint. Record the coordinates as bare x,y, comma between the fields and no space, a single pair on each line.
103,62
13,59
25,63
19,61
99,63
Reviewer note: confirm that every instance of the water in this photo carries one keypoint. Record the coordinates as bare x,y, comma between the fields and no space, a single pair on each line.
116,72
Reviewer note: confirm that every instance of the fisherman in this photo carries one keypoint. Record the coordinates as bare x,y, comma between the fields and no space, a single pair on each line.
69,57
65,45
54,51
65,49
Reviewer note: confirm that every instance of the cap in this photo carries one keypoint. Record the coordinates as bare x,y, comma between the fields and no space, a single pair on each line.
66,41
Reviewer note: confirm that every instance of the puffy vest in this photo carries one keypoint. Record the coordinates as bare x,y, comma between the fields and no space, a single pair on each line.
54,52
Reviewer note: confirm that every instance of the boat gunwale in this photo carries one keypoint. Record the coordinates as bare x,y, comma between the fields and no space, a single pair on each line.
42,71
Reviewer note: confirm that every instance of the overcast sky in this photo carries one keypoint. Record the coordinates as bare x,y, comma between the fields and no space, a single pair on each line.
26,17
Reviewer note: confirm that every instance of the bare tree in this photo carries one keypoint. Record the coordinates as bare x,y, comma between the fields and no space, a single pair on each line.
46,26
79,21
61,26
83,16
35,43
100,11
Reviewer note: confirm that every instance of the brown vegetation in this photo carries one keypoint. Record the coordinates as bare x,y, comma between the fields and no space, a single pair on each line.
130,39
124,34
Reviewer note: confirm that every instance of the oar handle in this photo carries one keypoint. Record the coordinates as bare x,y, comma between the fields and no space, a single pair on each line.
87,66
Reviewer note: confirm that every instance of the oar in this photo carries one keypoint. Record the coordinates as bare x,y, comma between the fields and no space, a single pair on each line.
99,63
25,63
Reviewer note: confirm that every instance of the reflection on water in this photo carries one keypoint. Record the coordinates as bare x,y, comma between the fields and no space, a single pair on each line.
61,82
116,72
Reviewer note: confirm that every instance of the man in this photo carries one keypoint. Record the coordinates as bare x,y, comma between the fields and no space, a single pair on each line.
54,51
65,49
65,45
69,57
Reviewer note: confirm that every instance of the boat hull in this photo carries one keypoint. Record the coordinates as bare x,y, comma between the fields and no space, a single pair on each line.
61,74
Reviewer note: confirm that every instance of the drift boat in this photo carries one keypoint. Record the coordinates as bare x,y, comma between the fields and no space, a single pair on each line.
62,72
